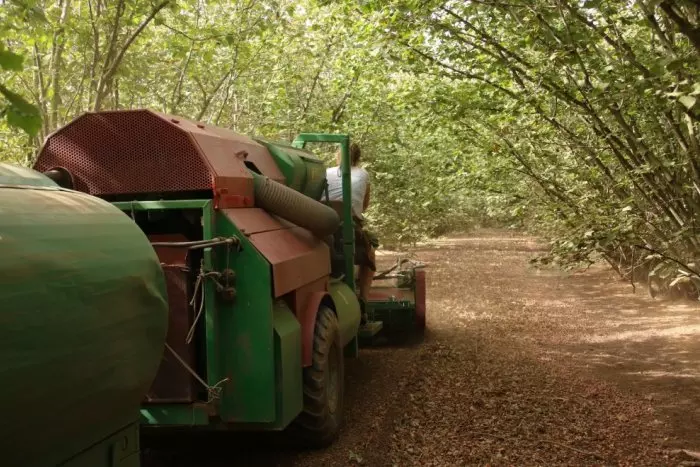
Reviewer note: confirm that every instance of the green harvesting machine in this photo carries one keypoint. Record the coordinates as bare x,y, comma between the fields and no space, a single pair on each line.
183,276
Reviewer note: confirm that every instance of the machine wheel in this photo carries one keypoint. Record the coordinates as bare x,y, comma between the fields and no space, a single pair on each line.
319,422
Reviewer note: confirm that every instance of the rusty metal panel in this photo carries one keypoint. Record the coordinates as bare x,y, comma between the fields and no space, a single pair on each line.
141,151
300,298
173,384
263,161
304,302
231,177
234,144
253,220
296,255
126,152
382,294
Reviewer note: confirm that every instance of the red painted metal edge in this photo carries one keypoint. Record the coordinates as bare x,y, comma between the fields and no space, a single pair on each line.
387,294
420,299
296,255
251,221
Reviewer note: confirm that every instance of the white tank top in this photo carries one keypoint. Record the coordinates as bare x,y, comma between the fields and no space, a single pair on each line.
360,180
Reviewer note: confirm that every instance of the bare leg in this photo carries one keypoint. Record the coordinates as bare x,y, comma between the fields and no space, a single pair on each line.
366,277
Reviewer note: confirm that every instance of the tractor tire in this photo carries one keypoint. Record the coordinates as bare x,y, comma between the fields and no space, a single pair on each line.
318,424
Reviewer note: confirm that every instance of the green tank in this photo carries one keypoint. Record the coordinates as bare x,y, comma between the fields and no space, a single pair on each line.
302,171
83,320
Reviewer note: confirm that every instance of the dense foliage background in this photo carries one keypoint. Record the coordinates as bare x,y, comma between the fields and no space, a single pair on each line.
575,119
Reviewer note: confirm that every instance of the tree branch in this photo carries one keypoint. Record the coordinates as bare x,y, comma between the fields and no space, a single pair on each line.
105,81
691,32
670,258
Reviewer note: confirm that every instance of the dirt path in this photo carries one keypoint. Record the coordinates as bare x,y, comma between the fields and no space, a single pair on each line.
519,367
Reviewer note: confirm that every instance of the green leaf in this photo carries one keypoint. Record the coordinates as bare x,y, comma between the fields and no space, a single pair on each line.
674,65
601,85
20,113
29,122
688,101
10,60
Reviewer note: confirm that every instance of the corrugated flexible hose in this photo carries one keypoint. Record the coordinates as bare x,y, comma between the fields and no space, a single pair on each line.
295,207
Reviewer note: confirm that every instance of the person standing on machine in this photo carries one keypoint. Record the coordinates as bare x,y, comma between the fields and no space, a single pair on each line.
365,241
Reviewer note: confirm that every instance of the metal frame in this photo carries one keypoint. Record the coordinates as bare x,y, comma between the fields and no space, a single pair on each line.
348,221
177,414
223,356
162,204
187,414
379,312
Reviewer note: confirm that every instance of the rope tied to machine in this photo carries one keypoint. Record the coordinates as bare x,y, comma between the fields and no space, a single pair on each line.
213,392
203,274
199,291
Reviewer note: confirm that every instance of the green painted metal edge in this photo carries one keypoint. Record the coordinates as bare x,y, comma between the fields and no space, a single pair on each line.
211,321
174,414
163,204
292,167
348,221
397,322
14,175
391,305
122,449
246,345
179,414
288,374
347,308
243,364
302,170
303,153
210,317
318,138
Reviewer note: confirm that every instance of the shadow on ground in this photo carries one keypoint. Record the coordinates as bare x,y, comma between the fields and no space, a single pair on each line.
596,323
650,347
520,367
207,449
369,379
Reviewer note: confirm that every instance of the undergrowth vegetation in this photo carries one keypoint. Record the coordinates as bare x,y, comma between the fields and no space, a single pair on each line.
576,120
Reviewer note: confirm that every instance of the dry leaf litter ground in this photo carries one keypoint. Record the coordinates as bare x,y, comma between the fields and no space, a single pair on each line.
519,367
